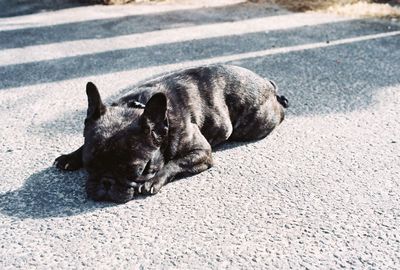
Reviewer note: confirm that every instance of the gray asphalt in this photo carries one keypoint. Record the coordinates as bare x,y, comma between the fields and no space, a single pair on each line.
322,191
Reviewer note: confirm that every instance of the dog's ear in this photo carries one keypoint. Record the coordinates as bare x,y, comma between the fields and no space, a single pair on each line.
155,120
156,108
96,108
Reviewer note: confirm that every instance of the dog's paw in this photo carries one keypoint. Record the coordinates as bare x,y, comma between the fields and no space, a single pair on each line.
67,163
150,188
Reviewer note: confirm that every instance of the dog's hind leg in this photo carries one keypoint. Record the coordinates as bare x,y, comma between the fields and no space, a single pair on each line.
70,162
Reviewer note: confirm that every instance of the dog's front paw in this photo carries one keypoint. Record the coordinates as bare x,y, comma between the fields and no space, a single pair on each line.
68,163
151,187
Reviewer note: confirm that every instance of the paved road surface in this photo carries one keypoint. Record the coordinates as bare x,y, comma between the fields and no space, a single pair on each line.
321,192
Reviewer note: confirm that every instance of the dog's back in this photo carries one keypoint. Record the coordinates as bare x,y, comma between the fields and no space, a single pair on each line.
225,102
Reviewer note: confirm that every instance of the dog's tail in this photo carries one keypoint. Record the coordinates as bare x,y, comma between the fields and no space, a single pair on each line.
281,99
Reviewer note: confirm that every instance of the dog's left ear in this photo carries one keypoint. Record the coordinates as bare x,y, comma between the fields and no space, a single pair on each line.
155,119
96,108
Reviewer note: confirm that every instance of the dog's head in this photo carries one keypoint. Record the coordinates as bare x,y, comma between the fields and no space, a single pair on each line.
122,145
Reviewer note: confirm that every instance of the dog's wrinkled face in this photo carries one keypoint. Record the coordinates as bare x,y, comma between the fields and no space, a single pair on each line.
122,146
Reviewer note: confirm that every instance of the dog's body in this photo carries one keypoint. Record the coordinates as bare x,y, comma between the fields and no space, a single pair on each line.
186,114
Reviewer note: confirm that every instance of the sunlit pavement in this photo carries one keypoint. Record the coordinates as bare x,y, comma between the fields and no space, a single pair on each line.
322,191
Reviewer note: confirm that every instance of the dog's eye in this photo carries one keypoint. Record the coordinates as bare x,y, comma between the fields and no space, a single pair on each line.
136,170
139,170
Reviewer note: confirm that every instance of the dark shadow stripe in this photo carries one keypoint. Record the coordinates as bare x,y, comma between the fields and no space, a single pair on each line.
128,59
106,28
338,79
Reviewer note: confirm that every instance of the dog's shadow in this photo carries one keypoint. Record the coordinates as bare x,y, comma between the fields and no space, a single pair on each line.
49,193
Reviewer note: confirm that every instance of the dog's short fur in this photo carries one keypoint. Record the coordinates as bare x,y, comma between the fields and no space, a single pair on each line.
134,148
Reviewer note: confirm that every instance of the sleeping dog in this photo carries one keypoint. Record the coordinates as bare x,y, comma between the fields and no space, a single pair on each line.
168,126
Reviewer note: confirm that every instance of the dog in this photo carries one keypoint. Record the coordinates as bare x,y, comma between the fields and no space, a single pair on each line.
168,126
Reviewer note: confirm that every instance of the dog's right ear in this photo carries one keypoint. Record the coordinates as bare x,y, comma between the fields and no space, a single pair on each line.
96,108
154,117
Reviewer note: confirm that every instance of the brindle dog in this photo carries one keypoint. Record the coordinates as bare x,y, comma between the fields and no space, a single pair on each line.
133,148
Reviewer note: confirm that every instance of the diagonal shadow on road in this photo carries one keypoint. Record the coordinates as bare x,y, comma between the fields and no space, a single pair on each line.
151,56
126,25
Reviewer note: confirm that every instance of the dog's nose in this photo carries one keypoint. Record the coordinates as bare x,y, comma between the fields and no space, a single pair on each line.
107,183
